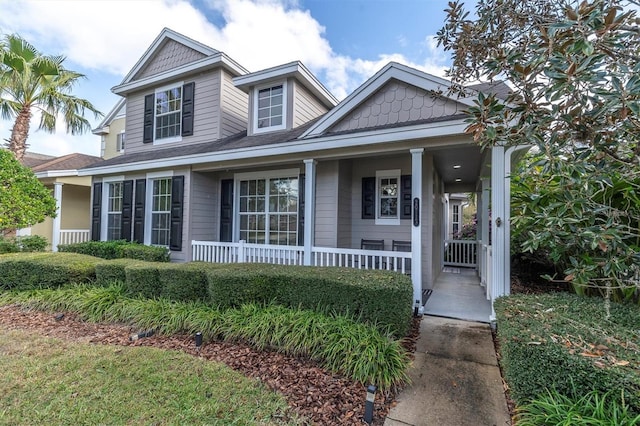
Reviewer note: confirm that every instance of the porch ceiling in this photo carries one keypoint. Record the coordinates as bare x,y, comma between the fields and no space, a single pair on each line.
459,167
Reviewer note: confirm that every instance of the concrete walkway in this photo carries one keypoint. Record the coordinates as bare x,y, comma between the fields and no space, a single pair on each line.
455,378
457,294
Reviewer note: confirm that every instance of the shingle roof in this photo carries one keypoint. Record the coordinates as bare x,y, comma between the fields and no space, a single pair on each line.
33,159
237,141
73,161
498,88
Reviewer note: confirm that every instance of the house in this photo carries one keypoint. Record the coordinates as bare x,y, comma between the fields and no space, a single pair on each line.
111,131
72,193
227,165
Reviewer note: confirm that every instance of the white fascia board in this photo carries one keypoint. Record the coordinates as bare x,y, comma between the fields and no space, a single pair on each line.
167,33
292,69
56,173
208,62
103,127
392,70
372,137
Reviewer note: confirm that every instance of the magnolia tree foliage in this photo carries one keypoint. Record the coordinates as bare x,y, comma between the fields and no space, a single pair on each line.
24,201
575,71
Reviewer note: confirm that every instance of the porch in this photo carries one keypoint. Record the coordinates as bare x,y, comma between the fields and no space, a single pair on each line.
458,294
459,291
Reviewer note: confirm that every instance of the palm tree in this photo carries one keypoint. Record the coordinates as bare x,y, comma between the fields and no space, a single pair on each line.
31,81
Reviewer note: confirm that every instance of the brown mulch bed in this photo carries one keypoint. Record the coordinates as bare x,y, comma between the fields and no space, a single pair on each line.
321,396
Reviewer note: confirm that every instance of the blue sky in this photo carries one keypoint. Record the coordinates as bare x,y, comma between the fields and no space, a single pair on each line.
343,42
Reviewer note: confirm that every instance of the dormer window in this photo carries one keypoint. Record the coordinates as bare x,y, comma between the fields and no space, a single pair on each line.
168,114
270,108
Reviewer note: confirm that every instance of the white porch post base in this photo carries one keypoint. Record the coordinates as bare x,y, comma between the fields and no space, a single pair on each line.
309,209
416,225
55,234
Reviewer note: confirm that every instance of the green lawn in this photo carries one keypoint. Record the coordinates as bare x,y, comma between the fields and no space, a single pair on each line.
56,382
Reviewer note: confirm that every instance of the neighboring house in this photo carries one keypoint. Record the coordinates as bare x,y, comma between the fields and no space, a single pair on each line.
224,164
72,194
112,131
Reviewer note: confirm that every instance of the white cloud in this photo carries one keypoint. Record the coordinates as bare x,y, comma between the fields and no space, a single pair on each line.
110,36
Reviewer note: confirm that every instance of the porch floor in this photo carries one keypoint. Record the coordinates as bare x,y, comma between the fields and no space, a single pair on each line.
457,294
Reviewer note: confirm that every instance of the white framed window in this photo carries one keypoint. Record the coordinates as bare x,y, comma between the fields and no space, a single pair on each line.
267,207
120,141
270,108
168,114
112,197
160,211
114,211
455,219
388,197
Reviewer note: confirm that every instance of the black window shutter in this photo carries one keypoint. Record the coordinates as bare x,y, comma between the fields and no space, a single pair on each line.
405,197
96,211
138,213
187,108
226,210
147,135
127,209
369,198
175,227
301,210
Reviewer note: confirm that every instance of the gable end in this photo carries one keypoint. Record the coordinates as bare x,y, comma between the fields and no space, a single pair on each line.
397,102
171,54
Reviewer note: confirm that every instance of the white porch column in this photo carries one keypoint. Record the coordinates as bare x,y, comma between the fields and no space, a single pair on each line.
483,227
309,208
416,223
499,244
55,235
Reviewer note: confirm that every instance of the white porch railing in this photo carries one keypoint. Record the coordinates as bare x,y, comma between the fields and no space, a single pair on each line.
462,253
73,236
222,252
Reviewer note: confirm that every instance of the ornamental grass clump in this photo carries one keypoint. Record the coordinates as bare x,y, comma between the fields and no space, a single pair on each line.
338,342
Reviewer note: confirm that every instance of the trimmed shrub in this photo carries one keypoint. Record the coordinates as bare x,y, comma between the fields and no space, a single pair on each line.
25,271
118,249
146,253
143,280
27,243
184,281
381,298
109,271
566,343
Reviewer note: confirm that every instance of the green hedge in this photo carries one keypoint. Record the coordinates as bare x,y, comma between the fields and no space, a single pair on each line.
118,249
566,343
108,271
175,281
380,298
27,243
25,271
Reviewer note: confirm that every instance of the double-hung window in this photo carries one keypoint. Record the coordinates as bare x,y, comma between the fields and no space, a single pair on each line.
455,219
168,109
268,210
114,211
120,142
388,197
270,108
161,212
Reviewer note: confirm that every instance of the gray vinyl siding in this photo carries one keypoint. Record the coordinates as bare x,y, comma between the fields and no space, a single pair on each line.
205,207
398,102
206,114
367,228
326,203
169,56
234,109
305,106
344,204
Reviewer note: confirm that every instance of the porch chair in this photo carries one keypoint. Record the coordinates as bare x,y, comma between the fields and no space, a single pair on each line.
404,246
373,245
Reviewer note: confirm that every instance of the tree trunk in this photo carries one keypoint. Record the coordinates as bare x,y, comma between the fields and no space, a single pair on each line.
20,133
